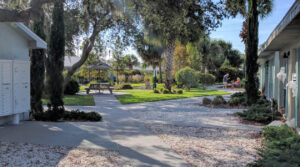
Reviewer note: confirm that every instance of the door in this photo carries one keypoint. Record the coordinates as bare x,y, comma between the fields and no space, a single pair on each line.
21,77
6,97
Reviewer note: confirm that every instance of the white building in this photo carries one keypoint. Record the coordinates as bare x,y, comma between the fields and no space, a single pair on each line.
279,65
16,40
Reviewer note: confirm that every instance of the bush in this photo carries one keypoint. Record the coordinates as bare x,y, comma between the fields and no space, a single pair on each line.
124,86
137,79
239,98
281,148
186,77
260,112
179,91
232,71
72,88
62,115
219,100
155,91
206,79
165,91
206,101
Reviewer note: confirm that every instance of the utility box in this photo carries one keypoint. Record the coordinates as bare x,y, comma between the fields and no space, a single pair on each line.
16,41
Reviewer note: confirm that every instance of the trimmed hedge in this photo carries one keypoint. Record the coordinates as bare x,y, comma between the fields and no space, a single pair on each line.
206,101
219,100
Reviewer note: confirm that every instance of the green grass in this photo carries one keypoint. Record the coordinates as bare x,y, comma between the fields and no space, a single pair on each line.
82,88
134,85
141,96
76,100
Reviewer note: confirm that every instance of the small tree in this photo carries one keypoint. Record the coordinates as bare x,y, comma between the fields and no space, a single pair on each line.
55,61
186,77
130,61
206,79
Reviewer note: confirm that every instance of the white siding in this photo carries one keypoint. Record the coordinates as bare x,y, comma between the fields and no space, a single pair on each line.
13,46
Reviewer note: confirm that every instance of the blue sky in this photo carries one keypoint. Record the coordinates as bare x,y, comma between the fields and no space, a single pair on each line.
230,29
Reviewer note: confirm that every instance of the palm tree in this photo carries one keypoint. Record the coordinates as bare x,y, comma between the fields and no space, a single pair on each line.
210,52
251,10
130,61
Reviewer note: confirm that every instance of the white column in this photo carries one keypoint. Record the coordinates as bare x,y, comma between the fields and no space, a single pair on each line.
276,88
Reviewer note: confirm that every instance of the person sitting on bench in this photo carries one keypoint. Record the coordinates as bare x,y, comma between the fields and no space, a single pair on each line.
236,84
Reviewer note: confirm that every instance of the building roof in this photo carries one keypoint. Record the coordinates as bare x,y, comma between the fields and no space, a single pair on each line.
286,33
34,41
71,60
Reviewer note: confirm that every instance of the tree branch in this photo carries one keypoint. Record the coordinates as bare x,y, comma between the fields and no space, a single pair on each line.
31,13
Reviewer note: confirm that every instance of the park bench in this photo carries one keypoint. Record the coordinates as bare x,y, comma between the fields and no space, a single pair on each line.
99,87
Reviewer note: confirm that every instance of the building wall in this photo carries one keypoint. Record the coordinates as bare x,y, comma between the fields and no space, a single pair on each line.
13,46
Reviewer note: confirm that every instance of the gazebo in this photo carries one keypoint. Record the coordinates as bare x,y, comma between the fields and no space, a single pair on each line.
98,66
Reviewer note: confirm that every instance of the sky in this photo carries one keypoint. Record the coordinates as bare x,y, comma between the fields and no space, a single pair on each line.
230,29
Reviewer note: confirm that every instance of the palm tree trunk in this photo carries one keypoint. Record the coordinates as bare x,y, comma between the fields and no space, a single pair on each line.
169,63
251,54
160,73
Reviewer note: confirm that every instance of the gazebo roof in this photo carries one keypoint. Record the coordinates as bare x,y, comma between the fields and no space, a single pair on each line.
99,66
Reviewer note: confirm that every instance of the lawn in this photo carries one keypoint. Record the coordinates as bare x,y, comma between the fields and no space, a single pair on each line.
141,96
159,85
76,100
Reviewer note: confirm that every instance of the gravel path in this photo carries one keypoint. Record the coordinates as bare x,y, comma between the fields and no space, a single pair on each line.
203,137
29,155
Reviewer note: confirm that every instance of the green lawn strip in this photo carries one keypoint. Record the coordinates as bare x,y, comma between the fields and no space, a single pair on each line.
76,100
141,96
134,85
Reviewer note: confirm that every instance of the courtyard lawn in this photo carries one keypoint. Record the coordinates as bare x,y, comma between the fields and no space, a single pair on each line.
134,85
76,100
141,96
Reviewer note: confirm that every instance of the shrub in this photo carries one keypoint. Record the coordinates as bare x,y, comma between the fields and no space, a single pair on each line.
239,98
186,77
165,91
219,100
137,79
123,86
72,88
234,101
62,115
206,101
281,148
179,91
206,79
260,112
155,91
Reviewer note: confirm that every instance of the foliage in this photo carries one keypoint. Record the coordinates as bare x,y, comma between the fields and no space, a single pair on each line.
181,58
195,58
165,91
239,98
37,70
179,91
218,100
186,77
55,60
138,96
206,101
155,91
72,88
206,79
232,56
130,61
123,86
212,57
232,71
281,148
75,115
260,112
118,59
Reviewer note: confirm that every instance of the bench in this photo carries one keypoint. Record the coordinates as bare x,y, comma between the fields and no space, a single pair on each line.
99,87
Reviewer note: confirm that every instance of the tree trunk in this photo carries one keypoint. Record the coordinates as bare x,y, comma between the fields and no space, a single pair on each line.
169,63
88,46
37,71
251,54
160,73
